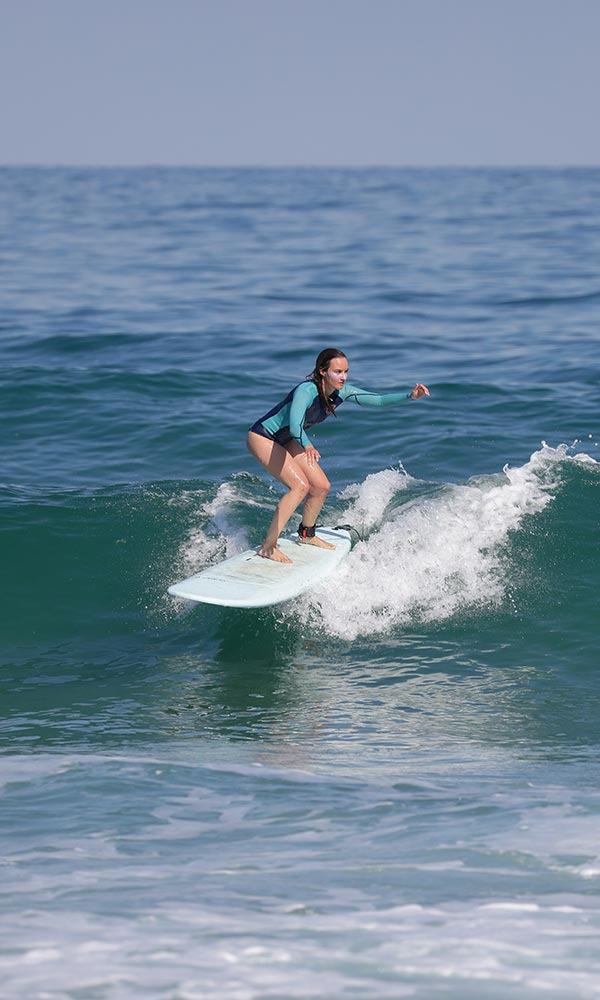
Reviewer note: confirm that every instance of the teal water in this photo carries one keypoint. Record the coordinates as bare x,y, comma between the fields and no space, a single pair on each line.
388,788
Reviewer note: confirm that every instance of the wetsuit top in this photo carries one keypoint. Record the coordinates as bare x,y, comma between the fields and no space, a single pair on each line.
303,407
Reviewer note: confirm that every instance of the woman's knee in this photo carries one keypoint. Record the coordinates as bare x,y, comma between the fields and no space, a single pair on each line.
321,491
299,488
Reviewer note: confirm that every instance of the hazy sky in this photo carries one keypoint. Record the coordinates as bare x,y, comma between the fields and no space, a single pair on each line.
346,82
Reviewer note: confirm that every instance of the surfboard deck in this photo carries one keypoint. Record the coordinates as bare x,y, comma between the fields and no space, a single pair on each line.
249,581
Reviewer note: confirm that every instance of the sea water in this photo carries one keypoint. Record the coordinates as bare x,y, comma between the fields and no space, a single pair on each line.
386,788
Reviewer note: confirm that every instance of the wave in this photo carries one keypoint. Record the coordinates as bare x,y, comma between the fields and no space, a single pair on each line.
99,561
443,551
102,559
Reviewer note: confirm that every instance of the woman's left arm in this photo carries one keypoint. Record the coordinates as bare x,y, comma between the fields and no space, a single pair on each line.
365,398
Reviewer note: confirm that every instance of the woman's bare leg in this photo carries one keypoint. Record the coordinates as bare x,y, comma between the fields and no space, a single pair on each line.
319,487
280,464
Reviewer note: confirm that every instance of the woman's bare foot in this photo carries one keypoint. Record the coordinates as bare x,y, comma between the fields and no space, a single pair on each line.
272,552
319,542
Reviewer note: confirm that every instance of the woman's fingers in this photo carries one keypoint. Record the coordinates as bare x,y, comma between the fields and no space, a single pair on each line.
420,390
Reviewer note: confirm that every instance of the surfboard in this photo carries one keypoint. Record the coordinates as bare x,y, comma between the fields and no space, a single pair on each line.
249,581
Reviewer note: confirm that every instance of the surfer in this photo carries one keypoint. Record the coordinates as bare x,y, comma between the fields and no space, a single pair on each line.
279,442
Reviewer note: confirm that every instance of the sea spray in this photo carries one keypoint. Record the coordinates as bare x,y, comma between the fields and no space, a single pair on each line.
221,527
371,497
434,555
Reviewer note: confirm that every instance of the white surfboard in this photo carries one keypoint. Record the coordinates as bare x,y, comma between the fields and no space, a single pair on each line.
249,581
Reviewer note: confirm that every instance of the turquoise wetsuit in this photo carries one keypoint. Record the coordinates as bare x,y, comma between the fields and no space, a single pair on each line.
303,407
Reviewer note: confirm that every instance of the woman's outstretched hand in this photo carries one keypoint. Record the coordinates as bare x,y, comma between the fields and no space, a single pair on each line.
419,390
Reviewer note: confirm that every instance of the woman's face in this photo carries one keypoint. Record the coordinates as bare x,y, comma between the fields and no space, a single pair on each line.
336,374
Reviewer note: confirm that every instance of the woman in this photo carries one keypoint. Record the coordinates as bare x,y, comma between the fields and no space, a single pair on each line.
279,442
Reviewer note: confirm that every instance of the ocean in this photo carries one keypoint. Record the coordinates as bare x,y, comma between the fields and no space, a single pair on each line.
388,788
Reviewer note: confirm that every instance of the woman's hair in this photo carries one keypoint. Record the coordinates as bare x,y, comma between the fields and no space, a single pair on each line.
323,361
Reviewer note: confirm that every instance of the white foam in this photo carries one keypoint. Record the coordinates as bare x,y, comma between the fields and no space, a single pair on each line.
203,546
352,948
371,497
438,553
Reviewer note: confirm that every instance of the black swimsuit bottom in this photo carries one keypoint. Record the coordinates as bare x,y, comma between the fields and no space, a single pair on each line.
282,437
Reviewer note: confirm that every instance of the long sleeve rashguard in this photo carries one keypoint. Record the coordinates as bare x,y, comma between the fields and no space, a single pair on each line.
303,408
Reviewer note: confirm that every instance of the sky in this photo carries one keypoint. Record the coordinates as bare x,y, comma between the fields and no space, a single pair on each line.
300,82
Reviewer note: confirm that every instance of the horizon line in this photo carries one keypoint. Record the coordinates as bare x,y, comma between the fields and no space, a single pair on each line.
66,165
